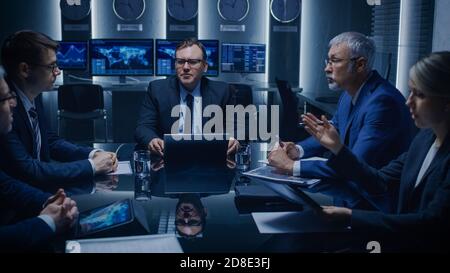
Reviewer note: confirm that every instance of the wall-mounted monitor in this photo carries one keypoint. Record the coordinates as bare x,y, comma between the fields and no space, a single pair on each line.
120,57
165,57
243,58
72,55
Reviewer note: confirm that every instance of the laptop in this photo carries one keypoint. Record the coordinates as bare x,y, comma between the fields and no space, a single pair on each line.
191,150
292,194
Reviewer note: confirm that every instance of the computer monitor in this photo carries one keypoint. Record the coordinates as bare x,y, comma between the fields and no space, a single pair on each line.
165,57
72,55
243,58
121,57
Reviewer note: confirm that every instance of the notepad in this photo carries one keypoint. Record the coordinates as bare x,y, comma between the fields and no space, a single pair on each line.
165,243
124,167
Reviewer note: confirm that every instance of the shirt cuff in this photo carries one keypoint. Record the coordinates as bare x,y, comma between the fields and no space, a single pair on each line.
301,152
49,221
91,154
92,165
296,168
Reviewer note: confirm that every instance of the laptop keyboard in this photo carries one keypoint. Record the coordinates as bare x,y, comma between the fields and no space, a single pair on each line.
166,222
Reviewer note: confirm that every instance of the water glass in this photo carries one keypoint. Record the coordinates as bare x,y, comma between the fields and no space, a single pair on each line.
243,157
141,162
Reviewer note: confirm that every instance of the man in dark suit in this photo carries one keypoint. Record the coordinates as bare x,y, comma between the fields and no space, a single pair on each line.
371,118
59,213
189,90
30,62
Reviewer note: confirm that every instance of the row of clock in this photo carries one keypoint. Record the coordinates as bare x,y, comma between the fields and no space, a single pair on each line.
183,10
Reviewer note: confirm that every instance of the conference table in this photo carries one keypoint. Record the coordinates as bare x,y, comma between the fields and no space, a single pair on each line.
228,203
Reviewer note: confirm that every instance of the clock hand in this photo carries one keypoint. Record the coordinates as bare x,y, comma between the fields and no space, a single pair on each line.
234,4
182,3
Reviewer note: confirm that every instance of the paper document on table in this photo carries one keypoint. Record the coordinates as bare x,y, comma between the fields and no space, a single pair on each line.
270,173
165,243
123,167
265,161
306,221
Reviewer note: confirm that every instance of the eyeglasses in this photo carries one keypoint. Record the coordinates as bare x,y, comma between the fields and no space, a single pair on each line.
335,61
181,222
53,67
12,96
191,62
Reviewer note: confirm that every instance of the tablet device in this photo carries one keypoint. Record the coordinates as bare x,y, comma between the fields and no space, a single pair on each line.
105,218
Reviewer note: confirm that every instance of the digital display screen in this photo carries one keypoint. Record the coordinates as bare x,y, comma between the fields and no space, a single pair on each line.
165,57
105,217
243,58
121,57
72,55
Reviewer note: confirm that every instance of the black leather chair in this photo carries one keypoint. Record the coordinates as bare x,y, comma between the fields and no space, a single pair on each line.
289,120
82,104
244,97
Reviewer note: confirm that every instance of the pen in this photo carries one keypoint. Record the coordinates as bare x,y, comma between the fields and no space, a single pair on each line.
318,123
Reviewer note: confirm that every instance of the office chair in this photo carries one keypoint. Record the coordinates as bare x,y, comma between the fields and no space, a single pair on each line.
244,97
80,103
289,120
243,93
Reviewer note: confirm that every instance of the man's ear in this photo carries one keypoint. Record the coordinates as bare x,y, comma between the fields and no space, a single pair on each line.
205,68
24,70
361,64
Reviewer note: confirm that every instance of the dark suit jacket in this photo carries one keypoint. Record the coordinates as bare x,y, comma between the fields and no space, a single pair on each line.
377,130
424,208
29,234
19,159
162,95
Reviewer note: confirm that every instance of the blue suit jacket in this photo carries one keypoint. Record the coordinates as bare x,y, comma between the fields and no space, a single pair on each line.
378,129
155,117
423,208
29,234
19,158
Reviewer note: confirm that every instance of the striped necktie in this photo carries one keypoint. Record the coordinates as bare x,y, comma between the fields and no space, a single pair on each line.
36,132
189,103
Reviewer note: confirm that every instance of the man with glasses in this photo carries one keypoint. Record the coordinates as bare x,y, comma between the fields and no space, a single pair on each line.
31,152
372,118
190,90
52,213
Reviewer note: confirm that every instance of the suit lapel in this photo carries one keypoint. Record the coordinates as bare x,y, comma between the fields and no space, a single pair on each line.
24,116
371,84
408,183
438,158
206,97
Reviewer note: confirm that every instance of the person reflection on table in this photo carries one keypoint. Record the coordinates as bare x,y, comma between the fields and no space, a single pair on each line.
190,216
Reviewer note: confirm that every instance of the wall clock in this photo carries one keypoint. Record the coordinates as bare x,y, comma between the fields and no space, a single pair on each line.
129,10
182,10
285,11
75,9
233,10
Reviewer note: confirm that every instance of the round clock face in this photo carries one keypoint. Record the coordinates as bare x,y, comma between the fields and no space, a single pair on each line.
75,9
182,10
285,11
233,10
129,10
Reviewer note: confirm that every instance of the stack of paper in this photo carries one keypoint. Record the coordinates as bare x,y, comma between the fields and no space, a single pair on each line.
165,243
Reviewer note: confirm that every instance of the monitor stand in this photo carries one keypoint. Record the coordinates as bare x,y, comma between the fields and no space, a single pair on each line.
122,81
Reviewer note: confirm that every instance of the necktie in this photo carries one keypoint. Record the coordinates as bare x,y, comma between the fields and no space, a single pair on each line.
189,103
36,132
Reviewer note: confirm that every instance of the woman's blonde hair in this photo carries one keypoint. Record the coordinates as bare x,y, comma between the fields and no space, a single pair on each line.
431,74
